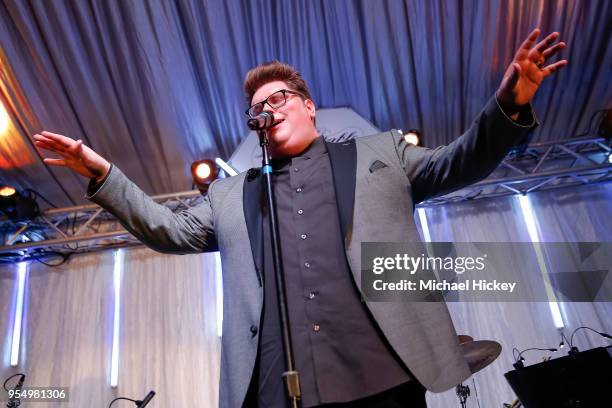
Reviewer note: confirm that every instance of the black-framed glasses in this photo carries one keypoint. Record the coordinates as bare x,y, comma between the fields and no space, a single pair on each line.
275,101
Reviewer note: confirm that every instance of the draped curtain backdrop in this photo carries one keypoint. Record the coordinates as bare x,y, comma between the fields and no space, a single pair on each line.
565,215
168,337
154,85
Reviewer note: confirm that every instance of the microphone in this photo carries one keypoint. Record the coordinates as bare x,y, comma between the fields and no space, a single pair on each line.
14,402
262,121
146,400
574,349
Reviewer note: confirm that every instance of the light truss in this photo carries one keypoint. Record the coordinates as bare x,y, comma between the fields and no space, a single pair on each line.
538,166
541,166
78,229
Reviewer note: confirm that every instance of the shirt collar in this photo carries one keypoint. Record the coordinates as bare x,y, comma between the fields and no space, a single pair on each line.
316,148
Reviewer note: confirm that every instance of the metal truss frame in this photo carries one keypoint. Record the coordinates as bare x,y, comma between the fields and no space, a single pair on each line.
84,228
541,166
535,167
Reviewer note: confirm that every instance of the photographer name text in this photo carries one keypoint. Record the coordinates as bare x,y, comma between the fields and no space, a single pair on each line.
478,285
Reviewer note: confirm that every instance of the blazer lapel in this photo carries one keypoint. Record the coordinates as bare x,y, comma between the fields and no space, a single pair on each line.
343,159
252,203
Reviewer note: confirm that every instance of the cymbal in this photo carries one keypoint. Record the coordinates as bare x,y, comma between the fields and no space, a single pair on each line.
464,338
480,353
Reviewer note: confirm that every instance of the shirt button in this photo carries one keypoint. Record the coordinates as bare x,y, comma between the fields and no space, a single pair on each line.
307,264
296,169
316,328
303,236
298,190
300,211
253,330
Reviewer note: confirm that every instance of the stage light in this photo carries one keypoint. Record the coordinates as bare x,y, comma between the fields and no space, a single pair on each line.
22,274
203,173
532,229
413,137
424,224
7,191
117,277
5,120
8,201
605,125
17,206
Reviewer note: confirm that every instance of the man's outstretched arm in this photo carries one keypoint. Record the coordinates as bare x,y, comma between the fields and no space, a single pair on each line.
156,226
503,122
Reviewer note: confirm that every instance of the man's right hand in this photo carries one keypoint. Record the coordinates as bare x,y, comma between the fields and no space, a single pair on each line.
75,155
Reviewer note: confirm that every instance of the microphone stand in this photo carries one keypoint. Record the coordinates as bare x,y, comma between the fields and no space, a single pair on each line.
291,376
463,392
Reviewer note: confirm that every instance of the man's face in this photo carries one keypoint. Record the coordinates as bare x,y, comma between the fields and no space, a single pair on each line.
296,129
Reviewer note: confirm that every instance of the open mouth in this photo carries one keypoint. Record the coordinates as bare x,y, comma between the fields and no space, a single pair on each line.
278,122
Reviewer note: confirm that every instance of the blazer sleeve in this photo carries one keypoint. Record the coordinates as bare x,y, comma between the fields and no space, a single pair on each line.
469,158
155,225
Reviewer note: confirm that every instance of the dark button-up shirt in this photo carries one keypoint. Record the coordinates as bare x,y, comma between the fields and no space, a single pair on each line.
339,351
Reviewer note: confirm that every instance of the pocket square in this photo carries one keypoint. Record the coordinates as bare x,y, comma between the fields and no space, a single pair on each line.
377,165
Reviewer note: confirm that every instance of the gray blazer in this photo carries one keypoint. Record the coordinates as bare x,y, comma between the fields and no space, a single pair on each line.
373,206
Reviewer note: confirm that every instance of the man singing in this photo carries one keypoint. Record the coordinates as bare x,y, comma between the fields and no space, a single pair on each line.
331,197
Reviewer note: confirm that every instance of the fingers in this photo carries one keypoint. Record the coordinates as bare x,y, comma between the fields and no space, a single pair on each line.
49,145
49,141
56,162
543,50
75,149
40,138
46,145
554,67
58,143
528,43
546,42
63,140
553,50
61,153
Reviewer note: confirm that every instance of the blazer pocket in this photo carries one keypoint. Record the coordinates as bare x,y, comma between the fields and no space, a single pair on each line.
377,165
385,177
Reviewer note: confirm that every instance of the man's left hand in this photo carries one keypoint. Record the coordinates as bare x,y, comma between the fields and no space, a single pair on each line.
527,70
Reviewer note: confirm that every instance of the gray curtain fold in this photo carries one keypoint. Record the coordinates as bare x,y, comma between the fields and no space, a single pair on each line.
154,85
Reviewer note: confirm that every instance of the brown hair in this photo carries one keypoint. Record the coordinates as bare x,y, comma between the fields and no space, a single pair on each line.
274,71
